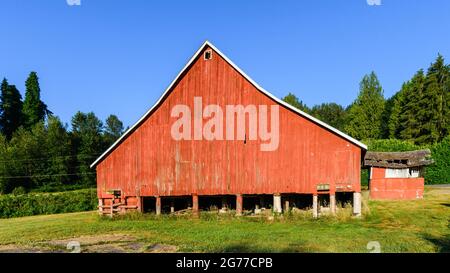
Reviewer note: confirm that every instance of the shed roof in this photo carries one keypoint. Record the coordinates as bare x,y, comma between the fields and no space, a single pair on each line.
398,160
193,58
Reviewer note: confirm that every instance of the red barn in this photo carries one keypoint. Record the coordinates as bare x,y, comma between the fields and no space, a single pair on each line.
163,162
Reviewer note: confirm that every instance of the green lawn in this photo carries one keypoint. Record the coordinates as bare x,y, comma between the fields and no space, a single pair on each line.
399,226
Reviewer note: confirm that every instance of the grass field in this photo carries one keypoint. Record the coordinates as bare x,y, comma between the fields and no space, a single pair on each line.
399,226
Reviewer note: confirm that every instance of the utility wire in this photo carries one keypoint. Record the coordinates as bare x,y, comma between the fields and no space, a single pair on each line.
45,175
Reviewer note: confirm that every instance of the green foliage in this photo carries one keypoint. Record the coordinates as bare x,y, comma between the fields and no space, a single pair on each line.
391,145
294,101
10,109
365,115
435,103
391,115
330,113
409,115
34,110
113,129
88,144
420,111
19,191
439,172
47,203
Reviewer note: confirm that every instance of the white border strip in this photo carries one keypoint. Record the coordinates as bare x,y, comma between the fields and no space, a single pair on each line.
206,43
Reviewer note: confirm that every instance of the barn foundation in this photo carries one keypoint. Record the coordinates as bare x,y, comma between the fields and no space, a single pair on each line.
158,205
277,203
357,204
333,204
239,204
315,206
195,206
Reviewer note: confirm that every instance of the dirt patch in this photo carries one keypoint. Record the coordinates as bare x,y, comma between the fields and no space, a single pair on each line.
93,240
159,248
103,243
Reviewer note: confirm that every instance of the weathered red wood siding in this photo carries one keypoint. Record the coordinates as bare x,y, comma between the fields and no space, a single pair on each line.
394,188
149,162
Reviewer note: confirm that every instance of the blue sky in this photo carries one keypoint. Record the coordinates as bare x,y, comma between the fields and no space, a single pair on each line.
118,56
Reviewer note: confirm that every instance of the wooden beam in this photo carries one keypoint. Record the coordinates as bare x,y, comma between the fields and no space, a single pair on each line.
239,204
195,207
158,205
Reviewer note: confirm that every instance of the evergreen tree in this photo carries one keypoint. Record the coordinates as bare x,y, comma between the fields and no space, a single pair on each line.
435,103
294,101
391,119
330,113
34,109
411,110
87,137
365,114
113,129
10,109
58,147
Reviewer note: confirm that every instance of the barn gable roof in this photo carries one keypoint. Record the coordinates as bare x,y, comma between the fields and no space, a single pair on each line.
193,58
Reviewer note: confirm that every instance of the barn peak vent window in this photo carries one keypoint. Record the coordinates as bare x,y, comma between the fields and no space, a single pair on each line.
208,54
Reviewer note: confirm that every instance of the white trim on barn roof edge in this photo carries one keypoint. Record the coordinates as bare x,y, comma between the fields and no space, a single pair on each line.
207,43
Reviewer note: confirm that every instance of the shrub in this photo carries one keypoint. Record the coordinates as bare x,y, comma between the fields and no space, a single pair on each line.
47,203
19,191
391,145
439,172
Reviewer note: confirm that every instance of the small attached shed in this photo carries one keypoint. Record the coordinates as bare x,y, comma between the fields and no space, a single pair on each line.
397,175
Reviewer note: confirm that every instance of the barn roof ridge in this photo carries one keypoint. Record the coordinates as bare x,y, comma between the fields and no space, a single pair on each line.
267,93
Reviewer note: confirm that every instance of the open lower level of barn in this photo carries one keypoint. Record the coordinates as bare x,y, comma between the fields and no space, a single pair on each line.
240,204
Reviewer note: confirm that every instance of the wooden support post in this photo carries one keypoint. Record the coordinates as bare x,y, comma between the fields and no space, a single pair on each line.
357,204
158,205
286,205
239,203
141,204
172,206
277,203
100,205
333,203
315,206
112,208
195,209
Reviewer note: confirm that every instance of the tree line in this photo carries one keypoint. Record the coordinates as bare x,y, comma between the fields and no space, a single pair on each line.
419,112
38,152
415,117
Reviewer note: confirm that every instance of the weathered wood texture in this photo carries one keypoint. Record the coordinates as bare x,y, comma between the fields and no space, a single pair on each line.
150,163
398,160
394,188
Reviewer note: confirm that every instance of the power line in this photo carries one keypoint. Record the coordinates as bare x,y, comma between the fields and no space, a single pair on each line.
45,175
47,159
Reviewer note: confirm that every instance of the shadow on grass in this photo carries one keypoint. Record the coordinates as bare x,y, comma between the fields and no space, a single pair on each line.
240,248
446,204
441,243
